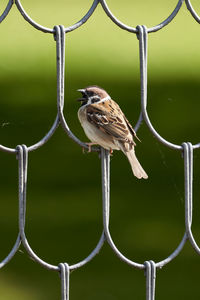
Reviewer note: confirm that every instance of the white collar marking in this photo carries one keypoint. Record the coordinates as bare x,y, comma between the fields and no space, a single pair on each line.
102,100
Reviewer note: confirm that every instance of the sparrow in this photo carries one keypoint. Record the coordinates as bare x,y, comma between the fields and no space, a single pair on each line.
105,124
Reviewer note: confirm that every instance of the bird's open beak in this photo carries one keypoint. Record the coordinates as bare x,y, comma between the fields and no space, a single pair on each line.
83,92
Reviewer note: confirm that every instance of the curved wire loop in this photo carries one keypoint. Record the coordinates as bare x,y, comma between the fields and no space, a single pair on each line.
143,39
134,30
60,46
192,11
150,273
23,165
174,254
38,144
64,274
105,166
50,30
188,170
6,11
142,36
22,151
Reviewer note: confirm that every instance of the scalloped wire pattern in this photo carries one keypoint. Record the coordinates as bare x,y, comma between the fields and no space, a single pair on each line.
21,151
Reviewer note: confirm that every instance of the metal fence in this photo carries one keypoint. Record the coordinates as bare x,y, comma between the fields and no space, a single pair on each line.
22,151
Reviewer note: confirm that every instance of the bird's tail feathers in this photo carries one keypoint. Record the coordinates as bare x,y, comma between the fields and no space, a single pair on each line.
137,169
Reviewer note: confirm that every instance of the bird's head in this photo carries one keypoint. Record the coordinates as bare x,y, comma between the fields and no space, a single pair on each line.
92,94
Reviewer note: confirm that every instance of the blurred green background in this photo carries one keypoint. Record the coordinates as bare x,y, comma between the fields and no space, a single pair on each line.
64,209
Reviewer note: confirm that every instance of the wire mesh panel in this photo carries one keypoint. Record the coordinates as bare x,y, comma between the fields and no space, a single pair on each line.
21,151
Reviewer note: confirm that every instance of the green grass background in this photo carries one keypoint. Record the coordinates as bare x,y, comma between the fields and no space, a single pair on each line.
64,210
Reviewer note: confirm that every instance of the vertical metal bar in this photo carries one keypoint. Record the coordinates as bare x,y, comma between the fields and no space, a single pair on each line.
148,280
188,177
188,170
64,273
23,165
190,180
150,273
107,158
62,64
59,36
153,279
105,162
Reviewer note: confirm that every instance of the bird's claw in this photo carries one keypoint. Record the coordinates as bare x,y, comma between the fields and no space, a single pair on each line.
89,147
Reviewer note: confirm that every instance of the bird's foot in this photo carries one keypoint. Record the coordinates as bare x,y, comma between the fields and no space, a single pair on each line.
111,151
89,147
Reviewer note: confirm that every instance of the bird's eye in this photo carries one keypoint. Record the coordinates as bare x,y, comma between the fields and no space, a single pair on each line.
95,99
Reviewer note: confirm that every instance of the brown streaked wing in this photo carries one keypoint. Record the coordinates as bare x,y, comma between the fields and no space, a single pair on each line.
131,129
110,120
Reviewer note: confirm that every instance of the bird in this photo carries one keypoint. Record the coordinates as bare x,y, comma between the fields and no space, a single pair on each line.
105,124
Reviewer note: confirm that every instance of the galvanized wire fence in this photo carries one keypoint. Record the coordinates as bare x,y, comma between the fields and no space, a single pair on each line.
22,151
